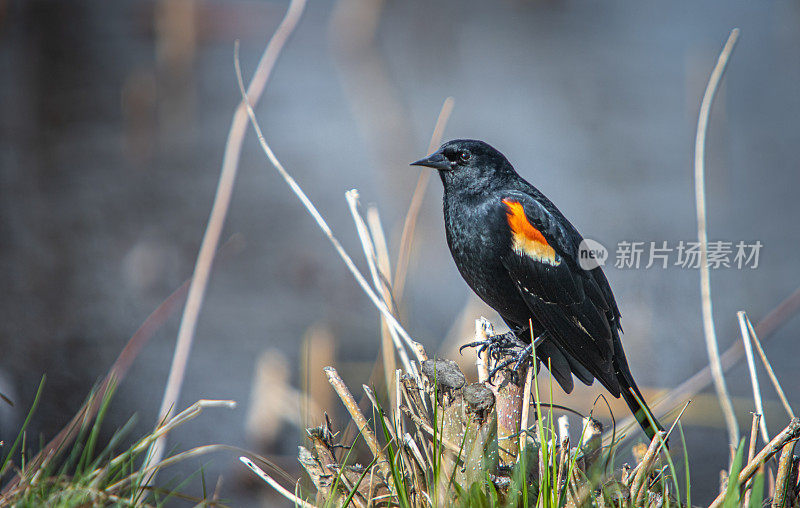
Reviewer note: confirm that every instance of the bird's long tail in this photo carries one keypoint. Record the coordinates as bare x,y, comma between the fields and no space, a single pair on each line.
638,407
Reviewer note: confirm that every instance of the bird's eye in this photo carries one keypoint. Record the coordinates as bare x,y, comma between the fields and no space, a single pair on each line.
464,156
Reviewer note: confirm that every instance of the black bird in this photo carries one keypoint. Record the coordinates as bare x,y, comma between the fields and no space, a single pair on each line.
517,251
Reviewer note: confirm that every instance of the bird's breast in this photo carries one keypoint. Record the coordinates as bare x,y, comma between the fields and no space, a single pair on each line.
479,238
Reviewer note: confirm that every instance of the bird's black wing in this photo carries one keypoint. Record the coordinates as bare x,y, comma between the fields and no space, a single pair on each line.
567,300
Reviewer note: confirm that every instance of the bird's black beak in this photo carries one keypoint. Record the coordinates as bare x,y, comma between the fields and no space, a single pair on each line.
436,161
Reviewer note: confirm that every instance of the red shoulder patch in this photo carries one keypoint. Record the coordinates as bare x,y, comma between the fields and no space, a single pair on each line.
526,239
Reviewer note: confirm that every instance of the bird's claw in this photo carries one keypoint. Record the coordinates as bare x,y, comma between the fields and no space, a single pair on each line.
518,360
496,344
500,347
522,357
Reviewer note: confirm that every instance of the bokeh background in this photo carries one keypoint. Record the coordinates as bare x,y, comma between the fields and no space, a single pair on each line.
113,122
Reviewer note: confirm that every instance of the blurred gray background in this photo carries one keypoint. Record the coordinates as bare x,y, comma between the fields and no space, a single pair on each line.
114,119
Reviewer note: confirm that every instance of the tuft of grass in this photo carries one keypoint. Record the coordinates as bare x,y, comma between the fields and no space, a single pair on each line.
115,476
544,472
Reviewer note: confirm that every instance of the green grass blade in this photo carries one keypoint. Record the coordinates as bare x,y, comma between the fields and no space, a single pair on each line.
397,475
663,444
335,487
757,491
13,449
732,492
349,498
686,466
91,442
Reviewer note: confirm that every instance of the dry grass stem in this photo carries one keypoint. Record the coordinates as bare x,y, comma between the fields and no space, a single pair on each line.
751,366
162,430
790,433
377,409
369,253
219,210
361,422
642,471
483,330
323,225
275,485
388,342
169,461
784,491
397,392
751,452
768,366
702,236
526,408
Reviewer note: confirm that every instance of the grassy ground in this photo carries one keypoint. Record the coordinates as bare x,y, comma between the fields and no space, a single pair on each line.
76,469
438,441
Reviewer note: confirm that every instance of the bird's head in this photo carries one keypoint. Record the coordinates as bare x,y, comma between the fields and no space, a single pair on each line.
467,163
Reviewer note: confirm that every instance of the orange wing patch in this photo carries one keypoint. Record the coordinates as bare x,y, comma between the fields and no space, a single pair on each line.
527,240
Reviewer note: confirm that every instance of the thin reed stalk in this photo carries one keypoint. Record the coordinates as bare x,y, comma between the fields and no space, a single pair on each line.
323,225
216,221
751,367
275,485
370,254
768,366
702,236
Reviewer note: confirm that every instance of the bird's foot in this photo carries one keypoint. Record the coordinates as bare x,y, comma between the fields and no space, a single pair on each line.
497,346
518,358
505,350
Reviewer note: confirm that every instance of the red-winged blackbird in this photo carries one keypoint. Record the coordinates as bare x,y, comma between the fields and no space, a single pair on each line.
520,255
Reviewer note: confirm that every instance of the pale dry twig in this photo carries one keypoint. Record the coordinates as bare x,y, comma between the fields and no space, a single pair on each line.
702,236
222,199
751,366
768,366
275,485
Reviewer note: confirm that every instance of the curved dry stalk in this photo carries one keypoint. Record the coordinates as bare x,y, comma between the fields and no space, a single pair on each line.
370,254
216,221
164,428
312,210
526,408
702,236
169,461
385,270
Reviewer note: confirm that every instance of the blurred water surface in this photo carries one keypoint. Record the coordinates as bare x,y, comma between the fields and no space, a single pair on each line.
114,118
